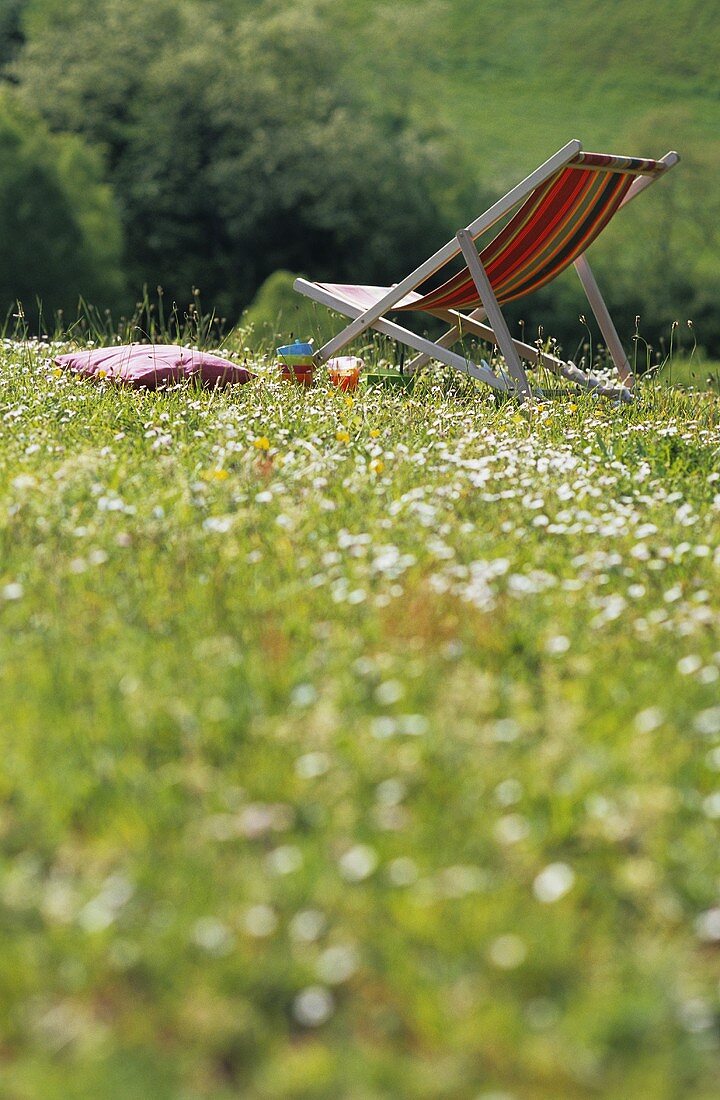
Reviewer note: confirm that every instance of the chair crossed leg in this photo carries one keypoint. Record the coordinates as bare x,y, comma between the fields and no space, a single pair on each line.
498,332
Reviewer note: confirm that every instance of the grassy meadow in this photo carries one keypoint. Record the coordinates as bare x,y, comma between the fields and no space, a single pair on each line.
357,747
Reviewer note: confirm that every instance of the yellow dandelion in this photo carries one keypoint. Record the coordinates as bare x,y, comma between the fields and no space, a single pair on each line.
349,401
216,475
262,443
377,465
374,433
342,437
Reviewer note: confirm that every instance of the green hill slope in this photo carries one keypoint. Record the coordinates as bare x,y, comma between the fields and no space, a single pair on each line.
517,80
513,82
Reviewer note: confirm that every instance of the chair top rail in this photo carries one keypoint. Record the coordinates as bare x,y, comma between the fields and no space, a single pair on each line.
611,162
669,161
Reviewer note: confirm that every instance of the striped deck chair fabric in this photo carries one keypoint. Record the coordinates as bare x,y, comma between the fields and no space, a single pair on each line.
554,226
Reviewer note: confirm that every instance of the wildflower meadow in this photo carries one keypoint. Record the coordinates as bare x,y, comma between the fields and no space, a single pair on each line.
357,746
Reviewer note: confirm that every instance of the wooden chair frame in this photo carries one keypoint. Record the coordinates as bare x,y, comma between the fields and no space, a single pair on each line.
514,351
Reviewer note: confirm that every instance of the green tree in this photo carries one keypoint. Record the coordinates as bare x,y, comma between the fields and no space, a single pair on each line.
235,144
58,222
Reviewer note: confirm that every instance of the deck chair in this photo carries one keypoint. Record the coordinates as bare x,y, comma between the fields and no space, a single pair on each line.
561,208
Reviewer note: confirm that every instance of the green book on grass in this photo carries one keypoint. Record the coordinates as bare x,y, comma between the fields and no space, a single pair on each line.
390,378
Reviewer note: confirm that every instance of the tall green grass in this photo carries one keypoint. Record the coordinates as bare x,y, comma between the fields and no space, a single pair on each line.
356,747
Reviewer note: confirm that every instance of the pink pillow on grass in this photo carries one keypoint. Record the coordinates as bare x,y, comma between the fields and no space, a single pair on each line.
153,365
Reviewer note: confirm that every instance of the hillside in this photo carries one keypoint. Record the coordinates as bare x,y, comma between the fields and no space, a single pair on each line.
516,81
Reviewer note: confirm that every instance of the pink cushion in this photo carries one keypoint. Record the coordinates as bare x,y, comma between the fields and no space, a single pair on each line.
153,365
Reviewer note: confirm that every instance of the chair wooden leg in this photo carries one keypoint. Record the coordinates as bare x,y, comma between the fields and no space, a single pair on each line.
604,320
494,313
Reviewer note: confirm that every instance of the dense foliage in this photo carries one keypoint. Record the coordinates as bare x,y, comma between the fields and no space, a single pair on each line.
59,226
234,143
11,29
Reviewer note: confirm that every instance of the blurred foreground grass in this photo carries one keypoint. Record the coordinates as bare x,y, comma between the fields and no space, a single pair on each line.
362,749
